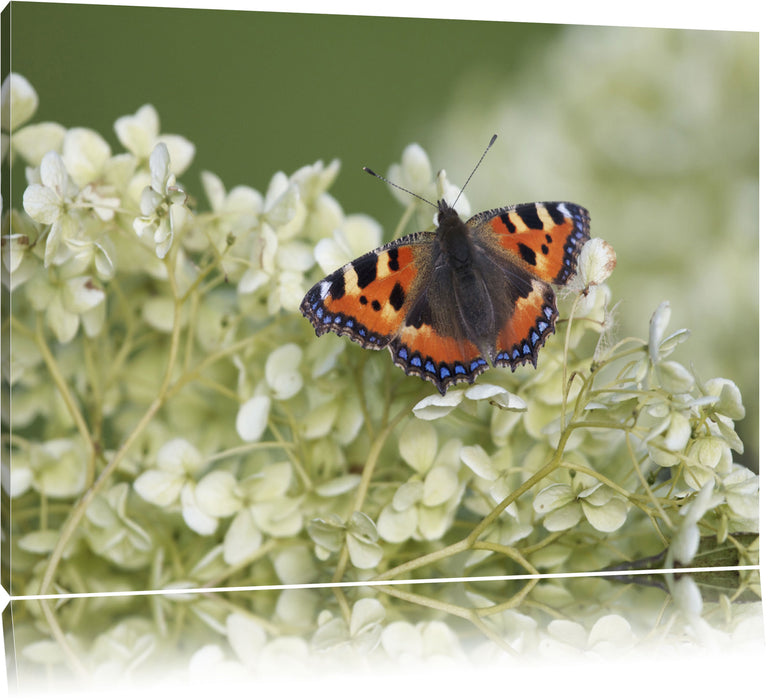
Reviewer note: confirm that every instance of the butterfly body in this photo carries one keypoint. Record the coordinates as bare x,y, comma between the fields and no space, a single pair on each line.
451,302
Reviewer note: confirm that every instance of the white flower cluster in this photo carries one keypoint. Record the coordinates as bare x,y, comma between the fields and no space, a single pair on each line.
176,422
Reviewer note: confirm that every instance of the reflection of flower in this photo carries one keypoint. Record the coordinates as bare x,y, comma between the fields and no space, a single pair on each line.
409,643
610,634
362,632
258,653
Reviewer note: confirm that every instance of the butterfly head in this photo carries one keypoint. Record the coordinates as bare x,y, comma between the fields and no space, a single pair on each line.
447,215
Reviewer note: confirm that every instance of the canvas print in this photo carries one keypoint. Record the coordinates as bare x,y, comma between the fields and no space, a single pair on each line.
334,340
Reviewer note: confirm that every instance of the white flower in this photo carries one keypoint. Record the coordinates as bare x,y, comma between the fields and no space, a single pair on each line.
287,292
56,468
237,215
139,134
313,180
17,246
50,202
178,463
672,376
564,505
414,174
112,534
423,507
437,406
282,371
359,533
257,504
85,154
729,402
741,490
67,303
282,380
356,235
252,417
685,543
161,204
19,102
666,441
596,263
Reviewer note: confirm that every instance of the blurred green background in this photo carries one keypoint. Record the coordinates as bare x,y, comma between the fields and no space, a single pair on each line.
655,131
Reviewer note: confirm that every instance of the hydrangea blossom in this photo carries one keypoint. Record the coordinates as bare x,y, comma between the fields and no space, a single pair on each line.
315,460
257,504
161,203
50,202
564,505
173,481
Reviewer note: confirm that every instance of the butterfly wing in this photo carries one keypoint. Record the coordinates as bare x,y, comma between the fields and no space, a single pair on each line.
533,245
366,299
377,301
545,238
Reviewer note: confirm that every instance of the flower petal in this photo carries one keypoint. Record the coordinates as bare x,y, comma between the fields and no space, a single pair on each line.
179,456
84,153
366,614
418,445
34,141
159,487
479,461
137,132
193,515
252,418
363,555
242,540
218,495
608,517
19,101
437,406
42,204
181,152
440,484
397,525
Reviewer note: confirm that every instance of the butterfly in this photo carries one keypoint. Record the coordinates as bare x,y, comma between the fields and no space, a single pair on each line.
448,303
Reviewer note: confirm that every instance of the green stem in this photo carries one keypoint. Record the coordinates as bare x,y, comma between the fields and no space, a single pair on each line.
366,478
468,541
71,524
61,384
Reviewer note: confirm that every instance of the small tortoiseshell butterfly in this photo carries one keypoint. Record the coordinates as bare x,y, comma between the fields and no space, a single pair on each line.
448,302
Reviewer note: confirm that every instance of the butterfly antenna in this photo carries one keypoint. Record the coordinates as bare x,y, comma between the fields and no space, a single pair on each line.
398,187
474,170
